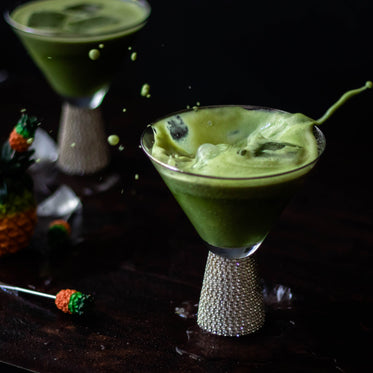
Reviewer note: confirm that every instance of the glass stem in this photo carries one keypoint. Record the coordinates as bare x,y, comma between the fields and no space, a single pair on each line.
82,142
231,302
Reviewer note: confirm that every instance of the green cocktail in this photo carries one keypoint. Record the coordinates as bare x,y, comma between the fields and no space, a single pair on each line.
78,44
233,169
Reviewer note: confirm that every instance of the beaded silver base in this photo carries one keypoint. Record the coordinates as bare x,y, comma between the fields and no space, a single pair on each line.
231,301
83,147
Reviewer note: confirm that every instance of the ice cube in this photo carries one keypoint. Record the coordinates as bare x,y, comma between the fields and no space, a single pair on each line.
178,129
46,19
280,149
207,152
45,149
63,202
91,24
84,9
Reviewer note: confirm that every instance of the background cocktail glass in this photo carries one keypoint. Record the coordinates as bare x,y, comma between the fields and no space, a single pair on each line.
232,216
79,65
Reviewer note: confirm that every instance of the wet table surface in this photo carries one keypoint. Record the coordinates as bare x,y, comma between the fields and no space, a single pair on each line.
135,251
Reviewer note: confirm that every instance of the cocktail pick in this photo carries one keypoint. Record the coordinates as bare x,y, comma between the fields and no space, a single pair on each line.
67,300
59,232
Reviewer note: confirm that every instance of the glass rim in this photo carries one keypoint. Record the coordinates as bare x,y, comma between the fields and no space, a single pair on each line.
49,33
144,147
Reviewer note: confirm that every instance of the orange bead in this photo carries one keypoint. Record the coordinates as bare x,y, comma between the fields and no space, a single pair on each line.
17,142
63,299
62,223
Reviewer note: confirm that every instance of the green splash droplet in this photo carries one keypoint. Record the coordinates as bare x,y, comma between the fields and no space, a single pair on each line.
94,54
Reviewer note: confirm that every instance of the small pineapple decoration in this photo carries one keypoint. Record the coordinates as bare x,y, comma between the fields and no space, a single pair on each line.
73,302
17,203
59,234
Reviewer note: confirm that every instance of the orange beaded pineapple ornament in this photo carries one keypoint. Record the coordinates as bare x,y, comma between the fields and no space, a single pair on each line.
17,202
68,301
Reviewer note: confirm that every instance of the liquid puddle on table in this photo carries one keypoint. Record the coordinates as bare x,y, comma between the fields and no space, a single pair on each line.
259,346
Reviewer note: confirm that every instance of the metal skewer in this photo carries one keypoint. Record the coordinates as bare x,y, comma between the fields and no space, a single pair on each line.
23,290
67,300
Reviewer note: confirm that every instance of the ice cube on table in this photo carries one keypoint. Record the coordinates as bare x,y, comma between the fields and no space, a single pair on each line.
62,203
45,149
46,19
89,24
83,9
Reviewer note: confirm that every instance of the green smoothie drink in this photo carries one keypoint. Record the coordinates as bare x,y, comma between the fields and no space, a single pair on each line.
234,168
78,44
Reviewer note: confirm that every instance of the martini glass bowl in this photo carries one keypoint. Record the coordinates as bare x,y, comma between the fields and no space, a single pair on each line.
232,216
79,46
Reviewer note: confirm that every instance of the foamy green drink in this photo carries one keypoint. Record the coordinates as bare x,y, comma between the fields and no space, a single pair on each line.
78,44
234,168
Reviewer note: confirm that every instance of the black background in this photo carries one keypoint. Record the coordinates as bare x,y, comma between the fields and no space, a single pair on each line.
293,55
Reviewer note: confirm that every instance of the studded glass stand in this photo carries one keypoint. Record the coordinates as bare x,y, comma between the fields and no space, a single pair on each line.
82,142
231,301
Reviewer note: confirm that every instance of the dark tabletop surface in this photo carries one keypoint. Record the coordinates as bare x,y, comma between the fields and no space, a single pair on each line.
134,249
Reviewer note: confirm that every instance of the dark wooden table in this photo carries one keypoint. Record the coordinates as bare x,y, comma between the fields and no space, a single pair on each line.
136,252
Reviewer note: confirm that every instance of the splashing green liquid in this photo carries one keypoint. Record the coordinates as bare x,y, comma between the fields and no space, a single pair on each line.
234,168
343,100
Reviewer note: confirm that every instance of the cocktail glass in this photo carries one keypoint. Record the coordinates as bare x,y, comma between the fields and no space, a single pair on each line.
79,50
232,216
